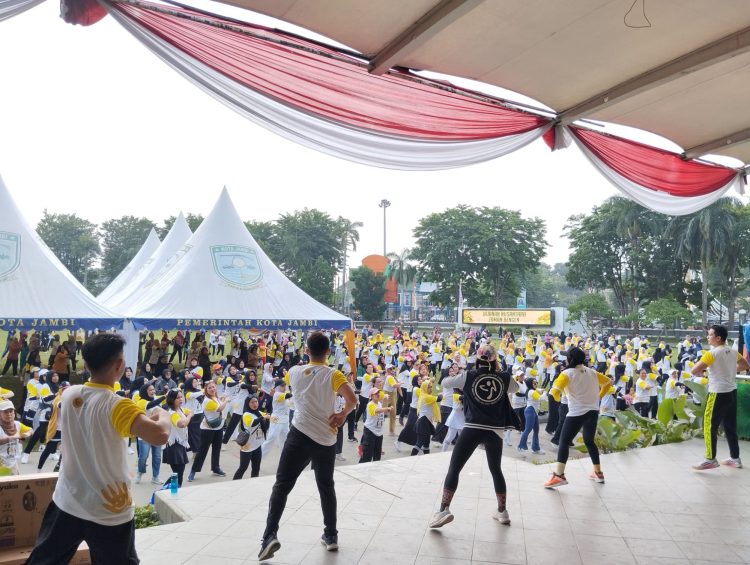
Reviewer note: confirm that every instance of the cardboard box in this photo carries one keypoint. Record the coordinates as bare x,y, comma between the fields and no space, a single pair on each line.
23,501
19,555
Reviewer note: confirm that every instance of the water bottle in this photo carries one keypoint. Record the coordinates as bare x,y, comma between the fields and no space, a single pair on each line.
173,483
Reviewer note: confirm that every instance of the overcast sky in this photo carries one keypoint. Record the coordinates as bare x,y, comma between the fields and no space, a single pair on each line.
93,123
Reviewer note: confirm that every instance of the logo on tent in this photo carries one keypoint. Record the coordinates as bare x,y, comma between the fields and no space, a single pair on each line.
236,264
10,252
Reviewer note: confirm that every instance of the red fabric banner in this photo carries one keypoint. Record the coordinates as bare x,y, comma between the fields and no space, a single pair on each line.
653,168
326,86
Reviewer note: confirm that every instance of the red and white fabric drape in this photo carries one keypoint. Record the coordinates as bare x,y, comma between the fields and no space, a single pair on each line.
326,100
10,8
655,178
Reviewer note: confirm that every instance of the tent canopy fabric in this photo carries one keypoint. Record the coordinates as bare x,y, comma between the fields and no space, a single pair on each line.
222,279
37,292
676,68
148,248
141,280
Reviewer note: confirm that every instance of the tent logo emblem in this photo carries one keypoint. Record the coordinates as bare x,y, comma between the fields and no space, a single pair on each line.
236,264
10,252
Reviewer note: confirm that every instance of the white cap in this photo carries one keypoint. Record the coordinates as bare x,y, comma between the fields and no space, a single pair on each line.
6,405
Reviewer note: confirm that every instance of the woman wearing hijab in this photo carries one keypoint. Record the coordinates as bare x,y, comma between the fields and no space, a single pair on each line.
194,404
428,412
147,402
266,385
255,423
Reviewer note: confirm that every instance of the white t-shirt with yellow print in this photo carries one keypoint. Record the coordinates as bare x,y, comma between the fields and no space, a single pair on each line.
95,482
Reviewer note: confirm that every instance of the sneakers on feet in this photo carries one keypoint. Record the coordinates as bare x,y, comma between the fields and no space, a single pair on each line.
41,447
191,477
157,481
736,463
223,446
138,478
556,481
397,445
24,458
130,451
441,518
340,457
538,452
706,464
219,473
331,542
354,439
502,517
268,547
522,451
597,476
54,457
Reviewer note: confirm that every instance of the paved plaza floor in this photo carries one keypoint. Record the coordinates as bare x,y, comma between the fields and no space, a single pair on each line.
654,509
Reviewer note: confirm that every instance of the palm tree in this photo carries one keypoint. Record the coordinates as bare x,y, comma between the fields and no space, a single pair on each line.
704,239
403,271
349,238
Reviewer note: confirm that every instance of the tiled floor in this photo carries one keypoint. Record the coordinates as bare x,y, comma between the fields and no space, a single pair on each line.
653,510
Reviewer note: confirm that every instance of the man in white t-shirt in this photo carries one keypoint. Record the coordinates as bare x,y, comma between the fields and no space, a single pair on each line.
722,363
92,501
312,438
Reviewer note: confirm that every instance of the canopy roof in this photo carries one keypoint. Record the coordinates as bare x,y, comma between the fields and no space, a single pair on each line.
221,278
37,292
141,280
148,248
676,68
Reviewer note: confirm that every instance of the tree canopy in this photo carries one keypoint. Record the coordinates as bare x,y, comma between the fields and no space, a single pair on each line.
368,293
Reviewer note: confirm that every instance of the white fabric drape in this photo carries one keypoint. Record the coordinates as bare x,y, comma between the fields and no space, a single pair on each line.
10,8
335,139
653,199
132,337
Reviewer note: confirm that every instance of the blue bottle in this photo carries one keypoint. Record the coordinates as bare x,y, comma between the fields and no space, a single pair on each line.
173,484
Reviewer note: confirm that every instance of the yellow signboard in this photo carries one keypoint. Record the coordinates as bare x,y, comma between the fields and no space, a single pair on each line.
508,317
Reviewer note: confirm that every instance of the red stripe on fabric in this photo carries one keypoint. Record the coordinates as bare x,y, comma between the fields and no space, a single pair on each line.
653,168
331,88
549,138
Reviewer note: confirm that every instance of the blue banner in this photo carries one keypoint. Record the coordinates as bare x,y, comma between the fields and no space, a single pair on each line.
239,323
41,324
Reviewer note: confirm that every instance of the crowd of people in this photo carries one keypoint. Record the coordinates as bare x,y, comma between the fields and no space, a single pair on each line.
467,389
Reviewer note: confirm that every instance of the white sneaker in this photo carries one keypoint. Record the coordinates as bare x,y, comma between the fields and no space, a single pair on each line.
539,452
223,447
440,519
41,447
736,463
157,481
502,517
25,458
397,444
130,451
54,457
340,457
138,478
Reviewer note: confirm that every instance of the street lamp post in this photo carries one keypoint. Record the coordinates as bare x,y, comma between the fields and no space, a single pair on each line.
384,205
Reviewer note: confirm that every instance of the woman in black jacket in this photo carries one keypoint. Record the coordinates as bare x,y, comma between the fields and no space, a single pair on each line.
488,413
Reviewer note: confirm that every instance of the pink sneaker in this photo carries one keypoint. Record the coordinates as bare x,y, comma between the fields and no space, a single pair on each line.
736,463
706,464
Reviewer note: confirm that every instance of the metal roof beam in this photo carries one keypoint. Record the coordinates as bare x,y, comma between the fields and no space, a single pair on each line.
427,26
720,143
729,46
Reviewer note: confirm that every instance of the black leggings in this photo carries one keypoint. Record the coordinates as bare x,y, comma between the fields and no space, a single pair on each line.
210,439
361,409
425,430
49,449
233,422
246,458
572,425
39,435
468,440
642,408
180,470
11,363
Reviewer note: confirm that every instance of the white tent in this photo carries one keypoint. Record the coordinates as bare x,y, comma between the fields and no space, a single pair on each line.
122,300
221,278
37,292
148,248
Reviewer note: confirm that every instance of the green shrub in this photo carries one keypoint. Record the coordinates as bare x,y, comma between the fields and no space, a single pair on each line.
146,516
